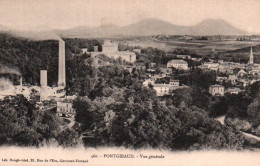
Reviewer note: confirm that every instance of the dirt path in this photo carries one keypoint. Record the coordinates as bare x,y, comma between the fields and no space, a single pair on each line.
221,120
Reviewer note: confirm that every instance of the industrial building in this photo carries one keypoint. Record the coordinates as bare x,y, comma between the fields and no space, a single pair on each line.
48,93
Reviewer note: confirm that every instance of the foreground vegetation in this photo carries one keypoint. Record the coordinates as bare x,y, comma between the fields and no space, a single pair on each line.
22,124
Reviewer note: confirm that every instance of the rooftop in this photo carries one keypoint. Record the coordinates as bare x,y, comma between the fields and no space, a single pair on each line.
216,85
233,90
161,85
178,61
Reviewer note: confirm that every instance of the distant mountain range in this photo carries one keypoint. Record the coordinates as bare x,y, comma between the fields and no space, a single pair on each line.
146,27
149,27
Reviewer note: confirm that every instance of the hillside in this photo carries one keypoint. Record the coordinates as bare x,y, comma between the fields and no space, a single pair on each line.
20,56
29,57
145,27
152,27
214,27
84,31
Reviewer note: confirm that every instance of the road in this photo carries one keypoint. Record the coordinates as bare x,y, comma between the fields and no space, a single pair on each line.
251,136
72,122
221,120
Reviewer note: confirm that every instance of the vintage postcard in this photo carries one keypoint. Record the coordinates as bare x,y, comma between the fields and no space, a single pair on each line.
130,82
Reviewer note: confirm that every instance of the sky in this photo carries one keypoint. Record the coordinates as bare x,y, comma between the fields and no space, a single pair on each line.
64,14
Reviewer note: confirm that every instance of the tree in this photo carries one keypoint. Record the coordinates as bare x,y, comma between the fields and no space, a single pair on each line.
23,125
138,119
182,97
68,138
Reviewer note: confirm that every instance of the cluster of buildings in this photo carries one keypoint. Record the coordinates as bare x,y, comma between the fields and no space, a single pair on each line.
168,87
55,94
163,88
230,67
237,74
8,89
58,94
219,90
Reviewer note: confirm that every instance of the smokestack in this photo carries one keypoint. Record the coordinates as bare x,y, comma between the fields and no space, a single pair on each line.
62,74
95,48
21,81
43,80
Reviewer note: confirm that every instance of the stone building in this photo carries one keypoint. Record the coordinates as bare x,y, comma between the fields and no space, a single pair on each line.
178,64
216,90
174,82
162,89
110,50
64,109
109,47
137,50
124,55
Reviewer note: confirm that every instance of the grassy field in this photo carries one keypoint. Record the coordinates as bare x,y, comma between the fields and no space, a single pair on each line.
227,49
199,45
217,45
241,54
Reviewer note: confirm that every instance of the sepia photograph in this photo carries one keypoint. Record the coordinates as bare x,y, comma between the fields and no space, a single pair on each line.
130,82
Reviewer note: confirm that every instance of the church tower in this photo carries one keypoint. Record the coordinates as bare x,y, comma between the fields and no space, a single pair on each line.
251,57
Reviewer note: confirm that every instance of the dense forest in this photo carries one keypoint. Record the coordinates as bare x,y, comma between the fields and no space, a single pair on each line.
244,108
22,124
28,57
119,111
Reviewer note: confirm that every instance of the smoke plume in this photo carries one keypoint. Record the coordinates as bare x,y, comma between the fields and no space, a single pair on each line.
5,84
34,33
37,35
7,70
43,35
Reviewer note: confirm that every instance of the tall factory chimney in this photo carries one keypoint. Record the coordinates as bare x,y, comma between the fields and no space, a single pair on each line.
43,76
62,74
21,81
43,82
95,48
